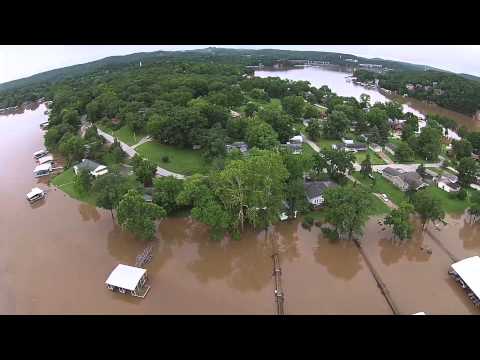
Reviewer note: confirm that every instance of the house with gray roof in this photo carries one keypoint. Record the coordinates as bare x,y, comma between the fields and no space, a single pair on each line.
409,180
93,167
314,191
239,145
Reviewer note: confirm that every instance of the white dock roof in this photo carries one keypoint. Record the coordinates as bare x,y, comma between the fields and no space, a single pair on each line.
45,159
126,277
469,270
35,191
43,167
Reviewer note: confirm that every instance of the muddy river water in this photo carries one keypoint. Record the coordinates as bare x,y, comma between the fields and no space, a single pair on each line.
55,257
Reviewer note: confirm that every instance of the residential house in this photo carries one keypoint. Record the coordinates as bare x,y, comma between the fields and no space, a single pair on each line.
294,148
355,147
239,145
297,139
375,147
94,168
449,183
390,147
410,180
314,191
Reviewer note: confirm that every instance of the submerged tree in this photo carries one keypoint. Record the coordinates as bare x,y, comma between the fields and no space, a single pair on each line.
399,220
346,208
138,216
428,207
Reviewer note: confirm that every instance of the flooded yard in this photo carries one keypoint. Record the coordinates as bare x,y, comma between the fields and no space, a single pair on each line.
56,256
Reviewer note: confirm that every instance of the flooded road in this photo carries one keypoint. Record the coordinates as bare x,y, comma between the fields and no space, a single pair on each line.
334,78
55,257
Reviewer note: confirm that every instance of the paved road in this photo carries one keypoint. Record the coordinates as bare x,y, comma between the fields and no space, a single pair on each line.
131,153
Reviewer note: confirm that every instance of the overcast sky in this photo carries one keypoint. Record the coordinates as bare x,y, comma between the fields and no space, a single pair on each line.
17,61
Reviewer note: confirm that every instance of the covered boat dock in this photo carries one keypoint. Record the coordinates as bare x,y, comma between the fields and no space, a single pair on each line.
467,273
125,278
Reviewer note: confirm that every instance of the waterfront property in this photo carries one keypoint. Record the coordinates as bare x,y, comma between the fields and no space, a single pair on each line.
42,170
314,191
128,279
409,180
467,274
94,168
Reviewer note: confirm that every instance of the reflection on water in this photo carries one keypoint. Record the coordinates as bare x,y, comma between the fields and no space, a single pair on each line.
191,274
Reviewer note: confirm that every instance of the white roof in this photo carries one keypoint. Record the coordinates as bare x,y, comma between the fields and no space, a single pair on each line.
43,167
126,277
469,270
34,192
45,159
420,313
39,152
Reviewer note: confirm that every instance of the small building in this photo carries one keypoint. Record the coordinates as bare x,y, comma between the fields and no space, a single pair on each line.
42,170
315,189
355,147
420,313
284,215
44,125
94,168
449,184
294,148
404,180
375,147
129,279
234,114
391,148
297,139
35,195
196,147
40,153
45,159
239,145
466,273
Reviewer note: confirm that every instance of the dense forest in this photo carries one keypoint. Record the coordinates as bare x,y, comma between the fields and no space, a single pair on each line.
448,90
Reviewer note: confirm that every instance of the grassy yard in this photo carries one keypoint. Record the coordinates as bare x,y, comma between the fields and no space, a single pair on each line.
375,159
382,186
182,161
378,207
65,182
450,204
327,143
124,134
307,149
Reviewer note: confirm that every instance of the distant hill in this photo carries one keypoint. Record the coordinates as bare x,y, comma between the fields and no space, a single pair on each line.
245,56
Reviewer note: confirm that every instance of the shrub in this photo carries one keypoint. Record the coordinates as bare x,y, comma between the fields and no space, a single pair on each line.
308,221
165,159
462,194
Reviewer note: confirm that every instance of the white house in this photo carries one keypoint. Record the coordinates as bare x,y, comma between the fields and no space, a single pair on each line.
449,183
93,167
315,189
466,273
35,195
297,139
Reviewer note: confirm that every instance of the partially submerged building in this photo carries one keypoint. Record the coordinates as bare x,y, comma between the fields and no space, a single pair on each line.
42,170
35,195
467,274
128,279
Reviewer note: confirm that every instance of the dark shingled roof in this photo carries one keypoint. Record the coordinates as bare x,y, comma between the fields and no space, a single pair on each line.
413,179
316,188
392,171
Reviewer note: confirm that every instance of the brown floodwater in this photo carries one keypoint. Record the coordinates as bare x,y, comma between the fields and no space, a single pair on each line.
56,255
335,79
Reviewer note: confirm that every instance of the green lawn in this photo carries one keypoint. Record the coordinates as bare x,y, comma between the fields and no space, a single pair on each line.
375,159
327,143
182,161
64,182
124,134
382,186
307,149
450,205
378,207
